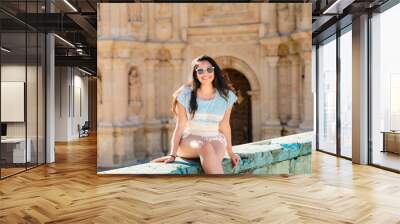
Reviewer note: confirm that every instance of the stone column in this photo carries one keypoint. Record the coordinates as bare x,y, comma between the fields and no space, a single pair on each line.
256,123
272,19
151,21
119,84
183,21
307,123
148,85
178,69
303,16
284,89
152,126
116,141
152,131
105,139
304,48
268,26
175,22
105,67
295,79
286,20
272,126
123,126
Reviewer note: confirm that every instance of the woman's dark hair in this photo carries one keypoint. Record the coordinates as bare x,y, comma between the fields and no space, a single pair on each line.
220,83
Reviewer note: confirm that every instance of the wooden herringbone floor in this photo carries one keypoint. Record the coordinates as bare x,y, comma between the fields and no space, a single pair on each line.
69,191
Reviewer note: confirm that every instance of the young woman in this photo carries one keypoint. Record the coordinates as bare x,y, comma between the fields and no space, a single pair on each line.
202,110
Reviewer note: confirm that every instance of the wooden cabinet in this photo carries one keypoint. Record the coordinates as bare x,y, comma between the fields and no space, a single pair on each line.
391,141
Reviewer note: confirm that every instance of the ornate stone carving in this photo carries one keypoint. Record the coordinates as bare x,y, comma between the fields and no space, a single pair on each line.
135,13
163,54
99,95
303,16
222,14
136,19
100,86
231,38
286,23
268,20
303,40
163,18
284,92
270,46
283,50
135,87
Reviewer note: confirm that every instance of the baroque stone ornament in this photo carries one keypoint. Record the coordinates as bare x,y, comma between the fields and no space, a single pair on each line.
135,13
222,14
163,21
134,91
100,86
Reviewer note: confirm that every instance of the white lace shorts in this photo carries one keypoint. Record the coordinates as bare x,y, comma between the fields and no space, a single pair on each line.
208,138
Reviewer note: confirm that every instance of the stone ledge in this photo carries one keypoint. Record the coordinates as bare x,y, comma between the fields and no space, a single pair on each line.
284,155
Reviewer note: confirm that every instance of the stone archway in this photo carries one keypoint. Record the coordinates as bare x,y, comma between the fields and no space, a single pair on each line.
241,116
238,64
243,68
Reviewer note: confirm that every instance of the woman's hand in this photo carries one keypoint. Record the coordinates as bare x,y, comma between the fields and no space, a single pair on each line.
165,159
235,159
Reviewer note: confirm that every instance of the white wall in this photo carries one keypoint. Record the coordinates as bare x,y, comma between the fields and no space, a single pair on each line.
13,73
70,83
33,126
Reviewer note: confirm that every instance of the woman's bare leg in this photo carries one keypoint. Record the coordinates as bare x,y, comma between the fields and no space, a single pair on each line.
219,148
189,146
209,160
194,147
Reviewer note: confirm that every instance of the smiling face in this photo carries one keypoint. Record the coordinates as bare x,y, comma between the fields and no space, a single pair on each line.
203,72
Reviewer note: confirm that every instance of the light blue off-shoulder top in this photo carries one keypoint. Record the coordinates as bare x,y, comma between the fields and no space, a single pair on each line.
209,113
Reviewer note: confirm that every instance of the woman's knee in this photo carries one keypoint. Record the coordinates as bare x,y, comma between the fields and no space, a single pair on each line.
206,150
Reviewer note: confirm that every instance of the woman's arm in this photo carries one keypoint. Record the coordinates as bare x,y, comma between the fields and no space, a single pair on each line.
181,121
225,128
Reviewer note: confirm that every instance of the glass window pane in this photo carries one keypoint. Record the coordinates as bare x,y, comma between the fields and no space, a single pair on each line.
22,88
327,96
41,98
346,94
386,89
14,146
31,97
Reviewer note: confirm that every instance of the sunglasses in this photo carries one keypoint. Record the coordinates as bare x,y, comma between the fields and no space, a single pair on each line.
201,71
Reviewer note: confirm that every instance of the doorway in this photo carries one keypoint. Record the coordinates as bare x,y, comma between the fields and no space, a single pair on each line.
241,116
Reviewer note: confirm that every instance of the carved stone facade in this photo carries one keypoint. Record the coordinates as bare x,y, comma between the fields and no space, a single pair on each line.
144,54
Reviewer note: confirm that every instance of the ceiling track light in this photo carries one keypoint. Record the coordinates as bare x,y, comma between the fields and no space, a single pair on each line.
84,71
337,7
5,50
70,5
64,40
